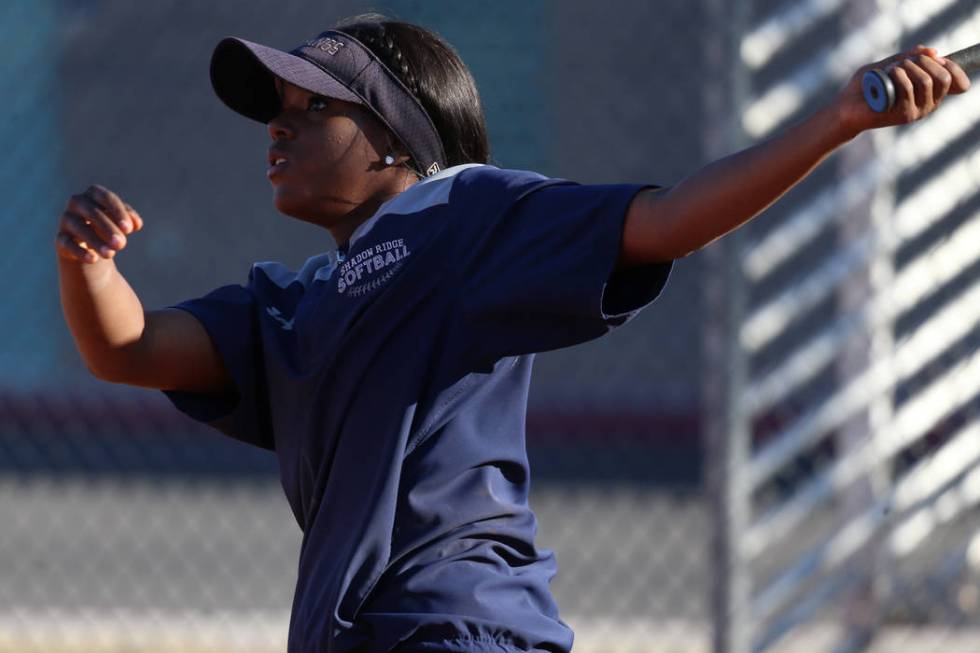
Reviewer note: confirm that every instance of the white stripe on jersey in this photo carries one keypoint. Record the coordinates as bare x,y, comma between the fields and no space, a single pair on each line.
426,193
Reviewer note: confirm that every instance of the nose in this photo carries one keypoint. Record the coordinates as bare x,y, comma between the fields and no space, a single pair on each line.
279,129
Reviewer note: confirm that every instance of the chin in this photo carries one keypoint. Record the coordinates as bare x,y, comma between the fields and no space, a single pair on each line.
288,205
299,210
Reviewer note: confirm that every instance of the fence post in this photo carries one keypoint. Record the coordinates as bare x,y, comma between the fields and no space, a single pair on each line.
869,349
32,93
726,430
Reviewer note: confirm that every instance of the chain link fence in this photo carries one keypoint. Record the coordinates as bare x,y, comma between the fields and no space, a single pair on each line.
125,527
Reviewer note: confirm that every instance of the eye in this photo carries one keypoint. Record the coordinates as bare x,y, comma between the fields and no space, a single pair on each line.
317,99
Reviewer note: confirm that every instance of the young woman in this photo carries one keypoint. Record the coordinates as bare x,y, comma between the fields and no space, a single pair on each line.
390,375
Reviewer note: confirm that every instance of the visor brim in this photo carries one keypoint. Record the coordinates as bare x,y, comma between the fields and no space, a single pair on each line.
242,77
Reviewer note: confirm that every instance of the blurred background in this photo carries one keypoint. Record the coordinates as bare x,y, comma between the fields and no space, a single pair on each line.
781,453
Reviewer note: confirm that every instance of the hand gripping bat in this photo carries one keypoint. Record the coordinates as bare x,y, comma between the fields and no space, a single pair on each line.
879,90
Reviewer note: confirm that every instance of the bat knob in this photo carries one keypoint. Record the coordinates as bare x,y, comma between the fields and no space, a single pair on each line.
879,91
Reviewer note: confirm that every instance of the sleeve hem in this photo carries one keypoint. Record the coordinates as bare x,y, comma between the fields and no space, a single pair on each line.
627,291
207,407
234,413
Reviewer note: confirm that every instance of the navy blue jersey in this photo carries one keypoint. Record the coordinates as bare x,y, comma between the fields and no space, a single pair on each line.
391,379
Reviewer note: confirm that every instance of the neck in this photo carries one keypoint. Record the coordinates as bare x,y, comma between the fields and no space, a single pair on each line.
342,230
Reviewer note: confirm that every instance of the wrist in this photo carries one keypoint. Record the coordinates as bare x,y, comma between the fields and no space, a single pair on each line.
92,276
833,120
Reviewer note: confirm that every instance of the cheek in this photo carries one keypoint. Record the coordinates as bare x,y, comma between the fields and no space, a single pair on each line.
332,148
340,139
331,167
338,157
323,162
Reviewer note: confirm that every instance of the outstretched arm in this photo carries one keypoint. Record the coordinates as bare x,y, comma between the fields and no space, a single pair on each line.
666,224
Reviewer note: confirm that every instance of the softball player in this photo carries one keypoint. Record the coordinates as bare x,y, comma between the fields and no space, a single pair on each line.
390,376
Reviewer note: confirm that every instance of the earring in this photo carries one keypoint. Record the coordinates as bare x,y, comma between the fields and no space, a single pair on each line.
389,159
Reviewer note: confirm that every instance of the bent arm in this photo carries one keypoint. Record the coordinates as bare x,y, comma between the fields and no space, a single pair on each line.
120,342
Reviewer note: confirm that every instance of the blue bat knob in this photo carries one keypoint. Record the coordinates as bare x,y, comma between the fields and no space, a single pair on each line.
879,91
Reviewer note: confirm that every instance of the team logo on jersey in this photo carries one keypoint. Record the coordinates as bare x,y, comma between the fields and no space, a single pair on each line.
372,267
276,314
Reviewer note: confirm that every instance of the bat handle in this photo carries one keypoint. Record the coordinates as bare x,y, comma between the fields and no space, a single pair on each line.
879,90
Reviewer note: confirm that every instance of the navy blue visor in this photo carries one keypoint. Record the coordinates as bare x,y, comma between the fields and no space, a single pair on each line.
334,65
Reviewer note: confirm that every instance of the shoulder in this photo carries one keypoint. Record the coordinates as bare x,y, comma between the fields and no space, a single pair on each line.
493,186
491,178
273,276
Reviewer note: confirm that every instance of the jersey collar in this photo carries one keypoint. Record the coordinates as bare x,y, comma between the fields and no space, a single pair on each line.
421,195
428,192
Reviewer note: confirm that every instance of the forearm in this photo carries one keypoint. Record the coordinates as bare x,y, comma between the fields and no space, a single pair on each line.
103,313
672,223
731,191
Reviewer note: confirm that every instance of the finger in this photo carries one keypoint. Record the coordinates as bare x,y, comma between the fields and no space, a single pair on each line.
112,205
906,101
942,80
82,231
69,249
922,49
137,219
107,230
896,59
961,81
922,83
888,62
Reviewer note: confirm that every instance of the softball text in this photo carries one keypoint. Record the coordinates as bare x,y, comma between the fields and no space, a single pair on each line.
363,268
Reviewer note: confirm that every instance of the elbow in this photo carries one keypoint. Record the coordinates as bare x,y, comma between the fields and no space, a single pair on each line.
113,366
105,371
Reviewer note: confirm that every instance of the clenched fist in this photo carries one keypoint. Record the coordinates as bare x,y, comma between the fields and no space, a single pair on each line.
922,80
94,225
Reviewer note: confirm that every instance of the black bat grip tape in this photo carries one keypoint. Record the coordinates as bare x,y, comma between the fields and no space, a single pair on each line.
879,90
967,59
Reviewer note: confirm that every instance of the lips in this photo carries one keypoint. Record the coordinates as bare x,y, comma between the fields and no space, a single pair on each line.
276,155
276,168
277,163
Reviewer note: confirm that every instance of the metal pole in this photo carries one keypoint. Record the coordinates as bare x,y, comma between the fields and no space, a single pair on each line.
35,346
860,609
726,433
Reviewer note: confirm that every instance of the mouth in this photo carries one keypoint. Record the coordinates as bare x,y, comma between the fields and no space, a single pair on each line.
276,166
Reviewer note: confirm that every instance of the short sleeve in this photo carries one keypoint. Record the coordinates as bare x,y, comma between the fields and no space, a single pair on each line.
543,275
229,316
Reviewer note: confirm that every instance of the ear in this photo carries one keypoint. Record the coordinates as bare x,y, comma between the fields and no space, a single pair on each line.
394,147
401,158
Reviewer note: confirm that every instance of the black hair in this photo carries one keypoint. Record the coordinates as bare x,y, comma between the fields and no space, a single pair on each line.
433,71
